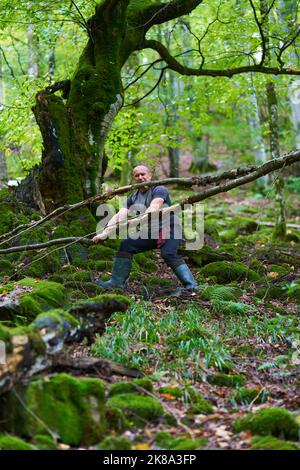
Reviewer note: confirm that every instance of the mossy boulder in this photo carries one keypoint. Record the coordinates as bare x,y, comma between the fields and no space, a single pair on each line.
272,443
276,422
136,386
207,255
138,408
224,380
72,409
198,403
245,396
175,392
226,272
145,263
115,443
154,282
44,442
271,292
39,265
14,443
106,303
116,420
88,288
45,295
243,225
6,267
101,253
165,440
101,266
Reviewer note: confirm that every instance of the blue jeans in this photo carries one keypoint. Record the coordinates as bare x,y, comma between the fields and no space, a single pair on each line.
168,250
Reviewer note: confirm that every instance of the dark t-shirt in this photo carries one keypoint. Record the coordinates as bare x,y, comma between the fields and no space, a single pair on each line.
140,201
147,197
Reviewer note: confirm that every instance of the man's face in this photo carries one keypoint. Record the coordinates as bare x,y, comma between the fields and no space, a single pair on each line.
141,174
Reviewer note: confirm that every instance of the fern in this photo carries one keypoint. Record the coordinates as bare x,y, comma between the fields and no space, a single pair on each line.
231,308
221,293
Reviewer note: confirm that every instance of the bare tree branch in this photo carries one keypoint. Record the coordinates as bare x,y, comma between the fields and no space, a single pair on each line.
183,70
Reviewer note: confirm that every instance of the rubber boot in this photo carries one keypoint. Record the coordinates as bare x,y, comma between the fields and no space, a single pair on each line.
185,276
120,273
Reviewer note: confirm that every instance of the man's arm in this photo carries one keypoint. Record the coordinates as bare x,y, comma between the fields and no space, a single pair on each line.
155,204
121,215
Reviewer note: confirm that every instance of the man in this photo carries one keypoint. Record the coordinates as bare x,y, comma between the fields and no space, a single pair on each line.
152,199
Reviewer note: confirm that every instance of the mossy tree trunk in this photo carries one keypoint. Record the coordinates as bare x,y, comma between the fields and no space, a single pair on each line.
74,127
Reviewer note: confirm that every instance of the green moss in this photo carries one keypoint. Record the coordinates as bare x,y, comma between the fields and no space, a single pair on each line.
226,272
140,409
59,316
271,292
145,263
158,282
257,266
72,409
281,270
224,380
105,303
44,296
101,253
245,396
165,440
207,255
5,336
175,392
243,225
115,443
131,387
44,442
269,421
14,443
88,288
80,276
100,265
6,268
272,443
116,419
199,404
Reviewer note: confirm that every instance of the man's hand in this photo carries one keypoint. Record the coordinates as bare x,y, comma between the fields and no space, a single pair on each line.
100,236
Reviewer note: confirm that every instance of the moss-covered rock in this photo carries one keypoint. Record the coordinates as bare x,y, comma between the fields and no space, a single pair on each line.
140,409
115,443
39,265
224,380
165,440
197,401
88,288
136,386
145,263
101,253
100,266
271,292
115,419
175,392
277,422
6,267
245,396
272,443
44,296
154,282
226,272
44,442
72,409
207,255
106,303
14,443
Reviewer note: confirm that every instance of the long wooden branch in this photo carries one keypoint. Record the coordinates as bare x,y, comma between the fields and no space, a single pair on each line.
185,182
229,73
244,177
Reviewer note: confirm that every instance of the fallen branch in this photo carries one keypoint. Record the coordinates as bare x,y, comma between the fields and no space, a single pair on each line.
256,172
185,182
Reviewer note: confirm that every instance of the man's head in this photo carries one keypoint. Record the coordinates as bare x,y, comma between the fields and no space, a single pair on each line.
142,174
